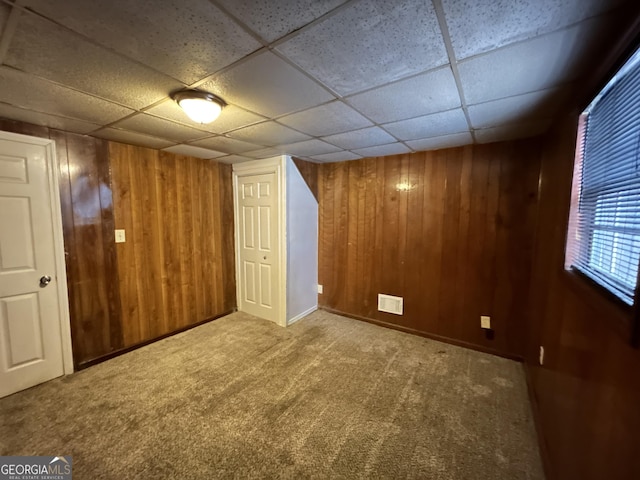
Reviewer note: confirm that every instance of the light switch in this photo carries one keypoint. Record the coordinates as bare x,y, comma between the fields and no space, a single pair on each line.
120,238
320,289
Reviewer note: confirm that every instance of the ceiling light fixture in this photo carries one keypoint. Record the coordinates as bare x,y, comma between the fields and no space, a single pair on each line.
201,107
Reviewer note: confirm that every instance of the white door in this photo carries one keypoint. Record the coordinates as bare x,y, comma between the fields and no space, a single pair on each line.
258,242
31,346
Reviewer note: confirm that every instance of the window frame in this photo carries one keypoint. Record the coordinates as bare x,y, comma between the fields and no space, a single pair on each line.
623,318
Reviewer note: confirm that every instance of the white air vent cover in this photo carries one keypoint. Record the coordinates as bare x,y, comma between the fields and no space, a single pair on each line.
389,304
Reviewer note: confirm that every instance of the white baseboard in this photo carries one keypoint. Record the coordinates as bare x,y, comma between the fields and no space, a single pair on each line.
302,315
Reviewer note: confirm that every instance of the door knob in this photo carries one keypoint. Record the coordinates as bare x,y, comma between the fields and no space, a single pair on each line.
45,280
264,258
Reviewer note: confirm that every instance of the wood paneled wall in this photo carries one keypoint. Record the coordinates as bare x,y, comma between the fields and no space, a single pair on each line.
587,394
87,220
177,265
450,231
309,172
176,268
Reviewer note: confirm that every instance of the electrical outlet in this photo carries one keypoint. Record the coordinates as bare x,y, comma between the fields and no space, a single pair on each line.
120,237
485,322
319,288
541,355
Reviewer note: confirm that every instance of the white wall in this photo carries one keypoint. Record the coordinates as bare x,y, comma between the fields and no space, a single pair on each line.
302,246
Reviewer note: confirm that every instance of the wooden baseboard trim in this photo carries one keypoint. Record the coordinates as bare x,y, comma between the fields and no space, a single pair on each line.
432,336
122,351
535,409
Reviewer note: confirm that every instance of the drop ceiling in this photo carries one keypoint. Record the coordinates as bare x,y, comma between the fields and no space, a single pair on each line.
324,80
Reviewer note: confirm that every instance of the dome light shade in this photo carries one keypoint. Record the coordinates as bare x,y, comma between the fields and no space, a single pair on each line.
201,107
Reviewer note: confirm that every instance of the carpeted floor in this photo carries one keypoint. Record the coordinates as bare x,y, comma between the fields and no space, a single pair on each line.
328,397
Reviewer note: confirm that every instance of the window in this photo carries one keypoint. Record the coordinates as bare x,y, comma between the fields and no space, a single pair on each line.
603,241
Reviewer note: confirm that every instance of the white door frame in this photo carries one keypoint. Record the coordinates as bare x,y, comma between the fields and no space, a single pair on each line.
277,166
58,240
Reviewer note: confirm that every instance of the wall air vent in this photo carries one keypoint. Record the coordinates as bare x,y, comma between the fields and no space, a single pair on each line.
389,304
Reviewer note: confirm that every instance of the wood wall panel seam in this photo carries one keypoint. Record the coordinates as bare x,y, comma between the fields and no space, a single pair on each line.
115,288
431,269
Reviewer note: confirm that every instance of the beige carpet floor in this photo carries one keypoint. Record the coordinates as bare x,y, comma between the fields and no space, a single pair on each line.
328,397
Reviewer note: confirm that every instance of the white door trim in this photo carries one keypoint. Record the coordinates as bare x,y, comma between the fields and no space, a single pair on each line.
58,238
276,165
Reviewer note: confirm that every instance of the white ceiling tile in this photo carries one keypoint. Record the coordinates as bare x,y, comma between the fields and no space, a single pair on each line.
232,117
159,127
308,148
132,138
326,119
185,43
336,157
191,151
51,121
50,51
264,153
366,137
512,132
436,124
225,144
369,43
482,25
529,66
267,85
383,150
63,79
231,159
445,141
431,92
268,133
272,19
33,93
518,109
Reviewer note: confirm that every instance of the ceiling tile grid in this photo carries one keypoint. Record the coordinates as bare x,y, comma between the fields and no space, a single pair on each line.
234,117
481,25
308,148
269,133
430,92
267,85
519,108
150,125
34,93
513,131
328,119
150,32
383,150
272,19
226,144
191,151
46,120
335,157
540,63
444,141
267,152
326,80
365,137
42,48
134,138
369,43
434,125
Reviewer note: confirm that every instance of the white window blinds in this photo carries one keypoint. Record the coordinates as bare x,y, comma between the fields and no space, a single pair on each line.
604,233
